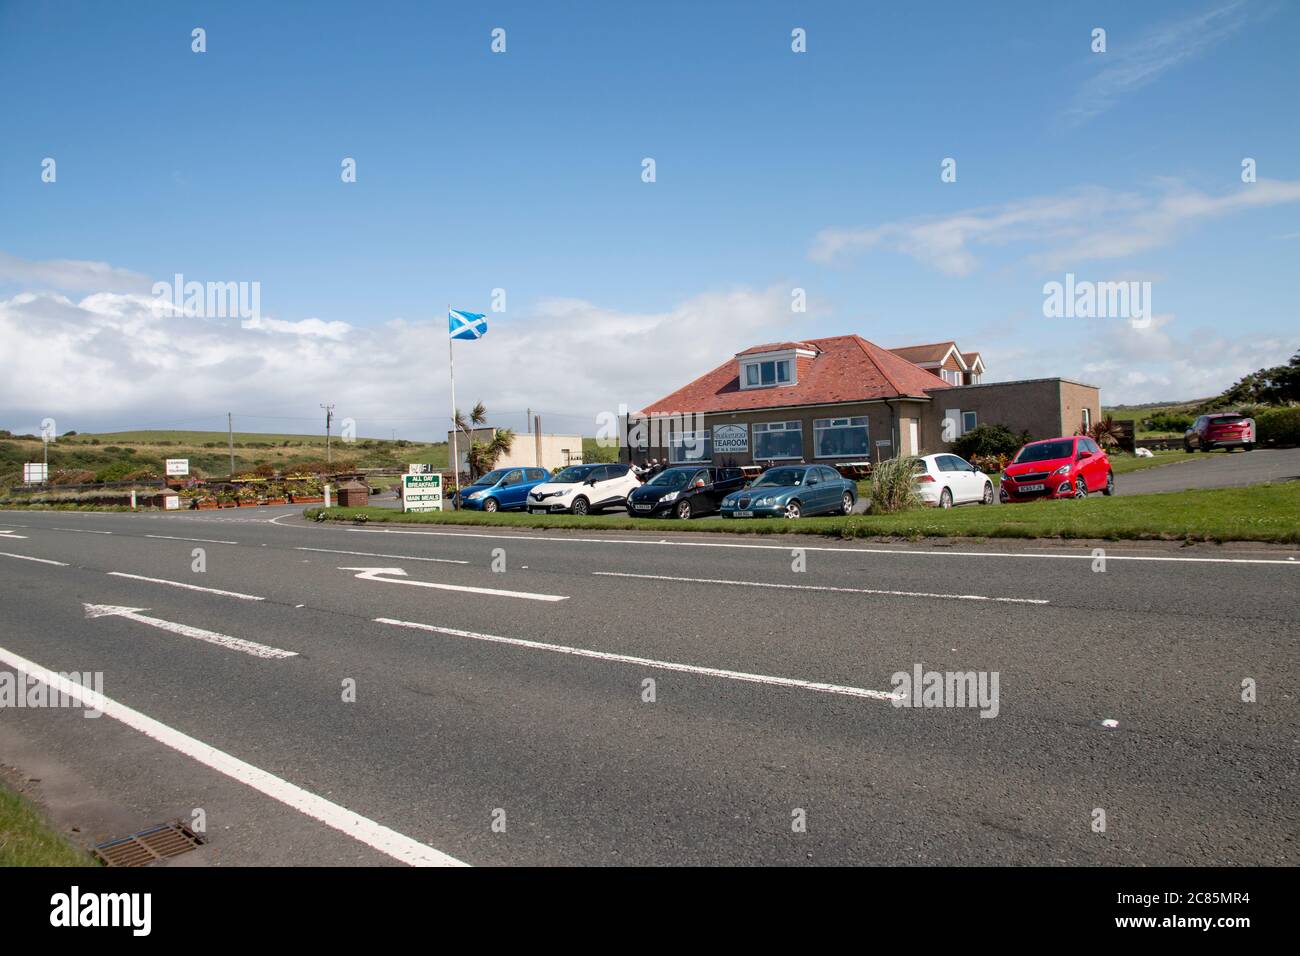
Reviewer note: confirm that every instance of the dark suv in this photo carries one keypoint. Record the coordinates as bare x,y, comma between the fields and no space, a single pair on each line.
685,491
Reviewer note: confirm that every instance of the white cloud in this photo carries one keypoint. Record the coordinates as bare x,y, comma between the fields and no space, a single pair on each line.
69,275
1065,230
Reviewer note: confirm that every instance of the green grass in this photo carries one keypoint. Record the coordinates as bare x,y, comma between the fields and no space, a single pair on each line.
27,840
1257,513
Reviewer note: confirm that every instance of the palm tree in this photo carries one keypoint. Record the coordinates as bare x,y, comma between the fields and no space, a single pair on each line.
1105,432
481,456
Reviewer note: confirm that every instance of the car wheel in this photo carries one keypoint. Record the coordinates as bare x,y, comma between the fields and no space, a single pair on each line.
1206,447
846,503
1080,487
1110,484
1248,447
683,510
945,499
1187,446
793,510
581,506
490,505
988,494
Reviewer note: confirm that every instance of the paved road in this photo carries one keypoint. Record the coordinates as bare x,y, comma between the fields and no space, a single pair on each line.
519,708
1217,469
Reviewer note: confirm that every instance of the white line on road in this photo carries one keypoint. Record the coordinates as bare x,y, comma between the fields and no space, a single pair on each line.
389,842
823,587
10,536
371,554
81,530
786,547
188,587
373,574
171,537
185,630
648,662
28,557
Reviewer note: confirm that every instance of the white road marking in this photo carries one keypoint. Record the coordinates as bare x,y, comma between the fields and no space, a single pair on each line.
387,841
81,530
787,547
823,587
28,557
185,630
10,536
188,587
371,554
172,537
374,574
648,662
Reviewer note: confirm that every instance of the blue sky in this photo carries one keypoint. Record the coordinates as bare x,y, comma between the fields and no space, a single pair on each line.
522,171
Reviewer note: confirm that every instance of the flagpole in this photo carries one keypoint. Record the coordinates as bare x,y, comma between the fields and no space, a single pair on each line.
451,367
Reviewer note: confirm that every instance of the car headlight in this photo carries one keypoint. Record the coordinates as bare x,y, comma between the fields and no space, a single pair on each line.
671,496
1063,470
764,502
477,494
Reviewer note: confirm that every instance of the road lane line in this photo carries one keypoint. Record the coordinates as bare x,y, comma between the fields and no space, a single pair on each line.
199,634
389,842
649,662
373,574
81,530
171,537
28,557
188,587
371,554
823,587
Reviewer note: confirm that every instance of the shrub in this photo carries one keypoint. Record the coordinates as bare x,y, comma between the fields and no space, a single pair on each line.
1168,422
893,486
989,440
1279,426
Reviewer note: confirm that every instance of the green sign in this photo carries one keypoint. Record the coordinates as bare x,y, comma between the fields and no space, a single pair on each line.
422,492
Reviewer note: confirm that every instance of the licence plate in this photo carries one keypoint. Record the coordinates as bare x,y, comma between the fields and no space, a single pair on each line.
1032,488
744,514
641,507
537,511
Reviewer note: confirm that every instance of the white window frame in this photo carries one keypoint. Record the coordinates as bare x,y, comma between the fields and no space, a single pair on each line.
950,375
824,425
964,427
1087,418
766,428
778,366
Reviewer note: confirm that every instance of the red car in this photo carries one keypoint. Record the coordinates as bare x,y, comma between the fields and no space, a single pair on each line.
1220,430
1057,468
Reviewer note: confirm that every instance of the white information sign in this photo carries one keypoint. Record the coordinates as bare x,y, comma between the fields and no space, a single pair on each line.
730,440
35,472
422,492
178,467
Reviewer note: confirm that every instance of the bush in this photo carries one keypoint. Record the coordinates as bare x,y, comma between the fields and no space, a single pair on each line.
1168,422
989,440
893,486
1279,426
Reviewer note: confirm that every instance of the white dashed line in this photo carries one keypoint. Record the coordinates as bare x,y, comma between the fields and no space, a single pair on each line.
171,537
371,554
822,587
188,587
28,557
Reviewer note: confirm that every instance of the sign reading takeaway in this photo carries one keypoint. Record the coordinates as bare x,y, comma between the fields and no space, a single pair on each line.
422,492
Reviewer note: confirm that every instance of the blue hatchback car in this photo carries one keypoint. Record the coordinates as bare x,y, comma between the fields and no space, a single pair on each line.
792,491
502,489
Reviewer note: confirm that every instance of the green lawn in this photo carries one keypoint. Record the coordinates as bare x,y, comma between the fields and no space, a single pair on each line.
26,839
1256,513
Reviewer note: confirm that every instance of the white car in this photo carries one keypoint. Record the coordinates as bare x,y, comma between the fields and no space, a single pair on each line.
583,489
947,480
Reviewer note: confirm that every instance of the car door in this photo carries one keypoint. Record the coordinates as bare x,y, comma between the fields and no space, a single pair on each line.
961,479
509,493
1099,465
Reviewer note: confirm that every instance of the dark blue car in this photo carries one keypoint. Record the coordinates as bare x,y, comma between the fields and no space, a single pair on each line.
503,489
792,491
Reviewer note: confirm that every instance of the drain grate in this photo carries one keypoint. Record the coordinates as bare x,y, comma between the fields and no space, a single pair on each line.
149,846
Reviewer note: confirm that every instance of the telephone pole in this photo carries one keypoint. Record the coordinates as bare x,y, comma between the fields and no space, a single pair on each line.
329,416
230,430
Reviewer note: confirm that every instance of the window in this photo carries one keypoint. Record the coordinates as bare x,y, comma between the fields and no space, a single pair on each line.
778,440
766,374
841,437
968,421
1087,419
950,375
690,446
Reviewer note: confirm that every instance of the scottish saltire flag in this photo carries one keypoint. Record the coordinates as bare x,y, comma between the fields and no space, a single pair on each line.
466,325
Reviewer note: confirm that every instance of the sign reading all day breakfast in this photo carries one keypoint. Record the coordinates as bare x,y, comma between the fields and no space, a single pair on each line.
730,439
422,492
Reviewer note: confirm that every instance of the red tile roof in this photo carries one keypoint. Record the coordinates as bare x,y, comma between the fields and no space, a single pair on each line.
847,368
779,347
934,352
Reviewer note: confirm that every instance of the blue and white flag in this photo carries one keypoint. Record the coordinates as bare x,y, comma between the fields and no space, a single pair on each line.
466,325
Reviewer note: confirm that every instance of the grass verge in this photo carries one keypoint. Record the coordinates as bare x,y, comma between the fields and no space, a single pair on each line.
27,840
1256,513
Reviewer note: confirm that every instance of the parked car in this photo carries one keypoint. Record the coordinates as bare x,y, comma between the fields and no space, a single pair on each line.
1220,430
583,489
947,480
685,491
501,490
1057,468
792,491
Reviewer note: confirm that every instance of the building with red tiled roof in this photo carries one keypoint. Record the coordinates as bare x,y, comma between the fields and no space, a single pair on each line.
844,400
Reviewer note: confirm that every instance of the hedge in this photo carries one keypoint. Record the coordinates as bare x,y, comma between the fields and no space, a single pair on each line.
1279,426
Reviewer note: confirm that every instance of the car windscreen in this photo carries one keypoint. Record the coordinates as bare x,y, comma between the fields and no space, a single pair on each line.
672,479
574,474
781,477
1045,451
1227,419
492,477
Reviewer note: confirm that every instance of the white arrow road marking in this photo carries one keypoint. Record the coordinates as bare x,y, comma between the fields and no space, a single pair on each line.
198,633
28,557
188,587
822,587
11,536
373,574
389,842
648,662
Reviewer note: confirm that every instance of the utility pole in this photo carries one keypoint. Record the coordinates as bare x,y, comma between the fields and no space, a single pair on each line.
230,429
329,416
528,422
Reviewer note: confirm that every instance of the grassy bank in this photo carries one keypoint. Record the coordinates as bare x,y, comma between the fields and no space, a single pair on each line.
1258,513
27,840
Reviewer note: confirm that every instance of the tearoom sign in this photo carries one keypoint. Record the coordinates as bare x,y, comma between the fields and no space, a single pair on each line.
730,439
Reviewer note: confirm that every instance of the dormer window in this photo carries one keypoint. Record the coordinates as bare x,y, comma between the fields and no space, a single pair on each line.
767,373
771,368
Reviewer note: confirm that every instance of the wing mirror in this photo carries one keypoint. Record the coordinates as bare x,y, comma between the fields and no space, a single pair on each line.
1084,454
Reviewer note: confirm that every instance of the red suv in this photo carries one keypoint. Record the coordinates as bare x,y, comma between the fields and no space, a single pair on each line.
1221,430
1057,468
